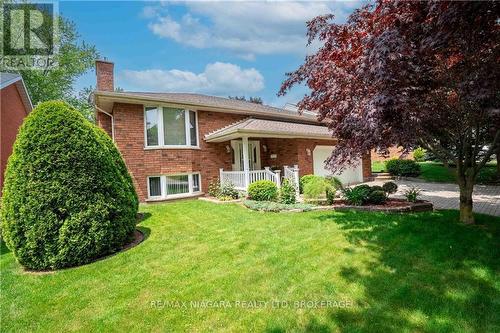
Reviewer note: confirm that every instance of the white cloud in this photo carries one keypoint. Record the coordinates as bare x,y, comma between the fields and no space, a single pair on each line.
218,78
246,28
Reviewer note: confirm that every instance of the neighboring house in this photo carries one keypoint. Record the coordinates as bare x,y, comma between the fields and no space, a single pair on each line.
15,104
394,152
176,144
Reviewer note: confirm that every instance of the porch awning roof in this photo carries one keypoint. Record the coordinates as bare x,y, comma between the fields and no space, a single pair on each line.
263,128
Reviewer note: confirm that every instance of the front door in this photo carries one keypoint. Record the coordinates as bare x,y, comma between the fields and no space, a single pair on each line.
253,155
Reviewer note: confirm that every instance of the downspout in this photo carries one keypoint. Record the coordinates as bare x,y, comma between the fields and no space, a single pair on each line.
112,121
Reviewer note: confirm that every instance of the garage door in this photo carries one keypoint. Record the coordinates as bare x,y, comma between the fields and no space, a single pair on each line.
348,176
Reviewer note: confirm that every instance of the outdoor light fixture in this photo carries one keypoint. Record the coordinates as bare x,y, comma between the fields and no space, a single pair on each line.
228,149
308,152
264,147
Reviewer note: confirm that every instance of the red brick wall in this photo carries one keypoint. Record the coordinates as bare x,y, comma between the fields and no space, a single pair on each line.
367,167
104,121
104,74
129,138
12,115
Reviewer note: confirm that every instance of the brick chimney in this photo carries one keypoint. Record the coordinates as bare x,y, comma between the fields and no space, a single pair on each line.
104,73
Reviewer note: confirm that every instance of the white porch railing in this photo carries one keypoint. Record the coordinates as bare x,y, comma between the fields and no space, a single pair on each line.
292,174
239,178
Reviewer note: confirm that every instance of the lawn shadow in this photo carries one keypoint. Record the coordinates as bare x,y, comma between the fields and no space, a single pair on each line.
431,273
3,248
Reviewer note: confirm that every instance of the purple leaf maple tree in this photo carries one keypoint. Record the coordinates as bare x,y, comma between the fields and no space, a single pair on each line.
409,73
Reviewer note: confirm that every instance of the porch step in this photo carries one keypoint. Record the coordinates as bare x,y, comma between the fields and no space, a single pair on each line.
382,176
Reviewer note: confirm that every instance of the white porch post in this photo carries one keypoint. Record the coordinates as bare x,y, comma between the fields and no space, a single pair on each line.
246,162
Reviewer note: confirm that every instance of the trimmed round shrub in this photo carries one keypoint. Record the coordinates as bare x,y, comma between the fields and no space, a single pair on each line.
377,197
404,168
390,187
376,188
67,198
263,190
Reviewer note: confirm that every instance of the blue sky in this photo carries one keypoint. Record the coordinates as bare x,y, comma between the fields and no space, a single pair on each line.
216,48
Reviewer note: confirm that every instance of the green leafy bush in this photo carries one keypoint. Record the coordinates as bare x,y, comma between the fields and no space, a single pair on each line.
419,154
269,206
227,190
315,188
305,179
376,188
390,187
335,182
263,190
412,194
287,192
330,194
377,197
67,198
405,168
357,195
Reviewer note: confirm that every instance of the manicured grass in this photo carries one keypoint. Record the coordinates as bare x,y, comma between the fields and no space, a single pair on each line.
378,166
437,172
403,273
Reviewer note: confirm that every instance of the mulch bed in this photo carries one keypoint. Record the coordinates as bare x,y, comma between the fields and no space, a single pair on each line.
391,205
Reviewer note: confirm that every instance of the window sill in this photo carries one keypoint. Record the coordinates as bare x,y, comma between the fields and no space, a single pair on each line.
173,147
175,197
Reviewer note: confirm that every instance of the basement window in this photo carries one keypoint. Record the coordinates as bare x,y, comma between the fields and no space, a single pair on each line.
172,186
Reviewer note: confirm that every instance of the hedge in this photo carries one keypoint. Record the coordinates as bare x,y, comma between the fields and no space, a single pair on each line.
67,198
405,168
263,190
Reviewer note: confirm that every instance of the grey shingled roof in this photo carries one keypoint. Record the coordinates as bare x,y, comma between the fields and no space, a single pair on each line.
8,78
211,101
252,126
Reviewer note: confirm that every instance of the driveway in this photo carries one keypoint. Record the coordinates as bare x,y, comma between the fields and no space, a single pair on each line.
446,196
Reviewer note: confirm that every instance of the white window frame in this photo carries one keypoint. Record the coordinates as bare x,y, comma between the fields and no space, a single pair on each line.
163,185
161,137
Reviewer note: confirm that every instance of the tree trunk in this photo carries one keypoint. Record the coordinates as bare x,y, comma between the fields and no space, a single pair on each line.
498,161
466,187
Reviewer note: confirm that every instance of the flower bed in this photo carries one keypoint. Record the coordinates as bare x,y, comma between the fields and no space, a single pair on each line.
270,206
391,205
218,201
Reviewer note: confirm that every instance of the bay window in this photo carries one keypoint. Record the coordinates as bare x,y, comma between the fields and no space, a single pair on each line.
170,127
168,186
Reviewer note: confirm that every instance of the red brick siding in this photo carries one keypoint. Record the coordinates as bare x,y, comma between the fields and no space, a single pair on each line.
367,167
104,73
104,121
129,138
12,116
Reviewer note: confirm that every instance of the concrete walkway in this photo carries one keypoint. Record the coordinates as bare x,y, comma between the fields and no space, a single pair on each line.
446,196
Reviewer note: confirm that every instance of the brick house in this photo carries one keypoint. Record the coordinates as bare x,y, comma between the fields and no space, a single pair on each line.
15,104
176,144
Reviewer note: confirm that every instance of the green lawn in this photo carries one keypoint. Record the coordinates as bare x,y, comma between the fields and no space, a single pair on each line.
436,172
403,273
